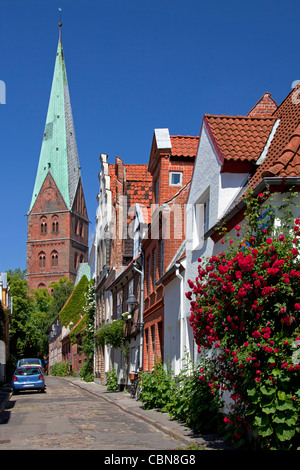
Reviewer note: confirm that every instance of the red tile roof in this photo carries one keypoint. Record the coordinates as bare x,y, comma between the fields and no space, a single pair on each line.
238,137
137,172
288,163
184,145
283,156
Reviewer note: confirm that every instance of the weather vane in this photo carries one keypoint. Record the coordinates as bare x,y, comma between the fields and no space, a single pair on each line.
60,23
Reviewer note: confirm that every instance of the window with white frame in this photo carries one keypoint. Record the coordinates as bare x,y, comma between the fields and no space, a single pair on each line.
175,178
201,220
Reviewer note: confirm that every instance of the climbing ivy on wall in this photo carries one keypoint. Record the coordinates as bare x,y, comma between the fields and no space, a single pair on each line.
73,309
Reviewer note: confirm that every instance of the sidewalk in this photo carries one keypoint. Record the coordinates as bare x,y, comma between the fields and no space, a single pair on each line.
160,420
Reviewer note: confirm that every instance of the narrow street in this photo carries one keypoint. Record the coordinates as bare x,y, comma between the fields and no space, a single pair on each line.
68,417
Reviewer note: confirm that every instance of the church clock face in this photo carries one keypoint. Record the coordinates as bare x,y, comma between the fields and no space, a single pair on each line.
49,193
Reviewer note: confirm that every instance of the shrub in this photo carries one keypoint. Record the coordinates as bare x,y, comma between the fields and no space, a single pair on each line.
157,387
193,402
246,311
112,380
60,369
112,333
86,372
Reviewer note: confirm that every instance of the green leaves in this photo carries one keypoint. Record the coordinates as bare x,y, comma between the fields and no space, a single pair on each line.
284,432
73,309
246,312
112,333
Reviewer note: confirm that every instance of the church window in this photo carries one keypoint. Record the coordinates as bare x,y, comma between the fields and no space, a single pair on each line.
54,256
55,226
81,229
76,260
42,259
43,227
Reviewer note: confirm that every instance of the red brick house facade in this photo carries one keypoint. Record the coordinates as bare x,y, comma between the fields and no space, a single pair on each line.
121,187
171,164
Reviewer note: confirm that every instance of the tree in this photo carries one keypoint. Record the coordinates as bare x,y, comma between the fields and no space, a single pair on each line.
42,302
33,314
21,328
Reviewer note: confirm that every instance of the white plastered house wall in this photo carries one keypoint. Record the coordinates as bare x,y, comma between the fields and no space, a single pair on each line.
177,332
211,194
104,220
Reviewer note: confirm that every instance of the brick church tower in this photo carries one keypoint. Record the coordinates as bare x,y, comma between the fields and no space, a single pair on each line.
57,220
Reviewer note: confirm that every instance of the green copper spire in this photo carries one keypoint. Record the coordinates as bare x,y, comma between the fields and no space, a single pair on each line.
59,150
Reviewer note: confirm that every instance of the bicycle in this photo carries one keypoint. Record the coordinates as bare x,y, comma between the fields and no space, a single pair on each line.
136,385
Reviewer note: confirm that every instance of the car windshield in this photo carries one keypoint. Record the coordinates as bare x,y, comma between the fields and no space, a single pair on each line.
24,362
28,371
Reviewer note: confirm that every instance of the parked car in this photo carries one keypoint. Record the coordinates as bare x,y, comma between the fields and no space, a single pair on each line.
29,362
28,378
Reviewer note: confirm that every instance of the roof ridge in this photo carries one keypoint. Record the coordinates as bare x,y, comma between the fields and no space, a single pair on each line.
185,136
240,116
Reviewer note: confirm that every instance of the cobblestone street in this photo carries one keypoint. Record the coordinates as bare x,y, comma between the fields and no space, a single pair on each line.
69,417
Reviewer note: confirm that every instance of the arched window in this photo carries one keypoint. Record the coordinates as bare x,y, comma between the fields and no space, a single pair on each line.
81,229
42,259
43,226
76,260
54,257
81,259
41,286
55,226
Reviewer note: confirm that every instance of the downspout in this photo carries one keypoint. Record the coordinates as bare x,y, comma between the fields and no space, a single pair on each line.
141,272
177,265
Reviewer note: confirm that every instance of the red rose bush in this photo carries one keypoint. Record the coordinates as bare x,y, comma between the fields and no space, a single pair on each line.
245,305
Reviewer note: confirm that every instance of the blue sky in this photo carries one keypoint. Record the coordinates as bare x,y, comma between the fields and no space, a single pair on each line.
132,66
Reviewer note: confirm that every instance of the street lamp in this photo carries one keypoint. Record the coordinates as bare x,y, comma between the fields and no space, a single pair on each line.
132,303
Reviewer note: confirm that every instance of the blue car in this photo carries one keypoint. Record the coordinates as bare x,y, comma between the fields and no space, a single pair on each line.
28,378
